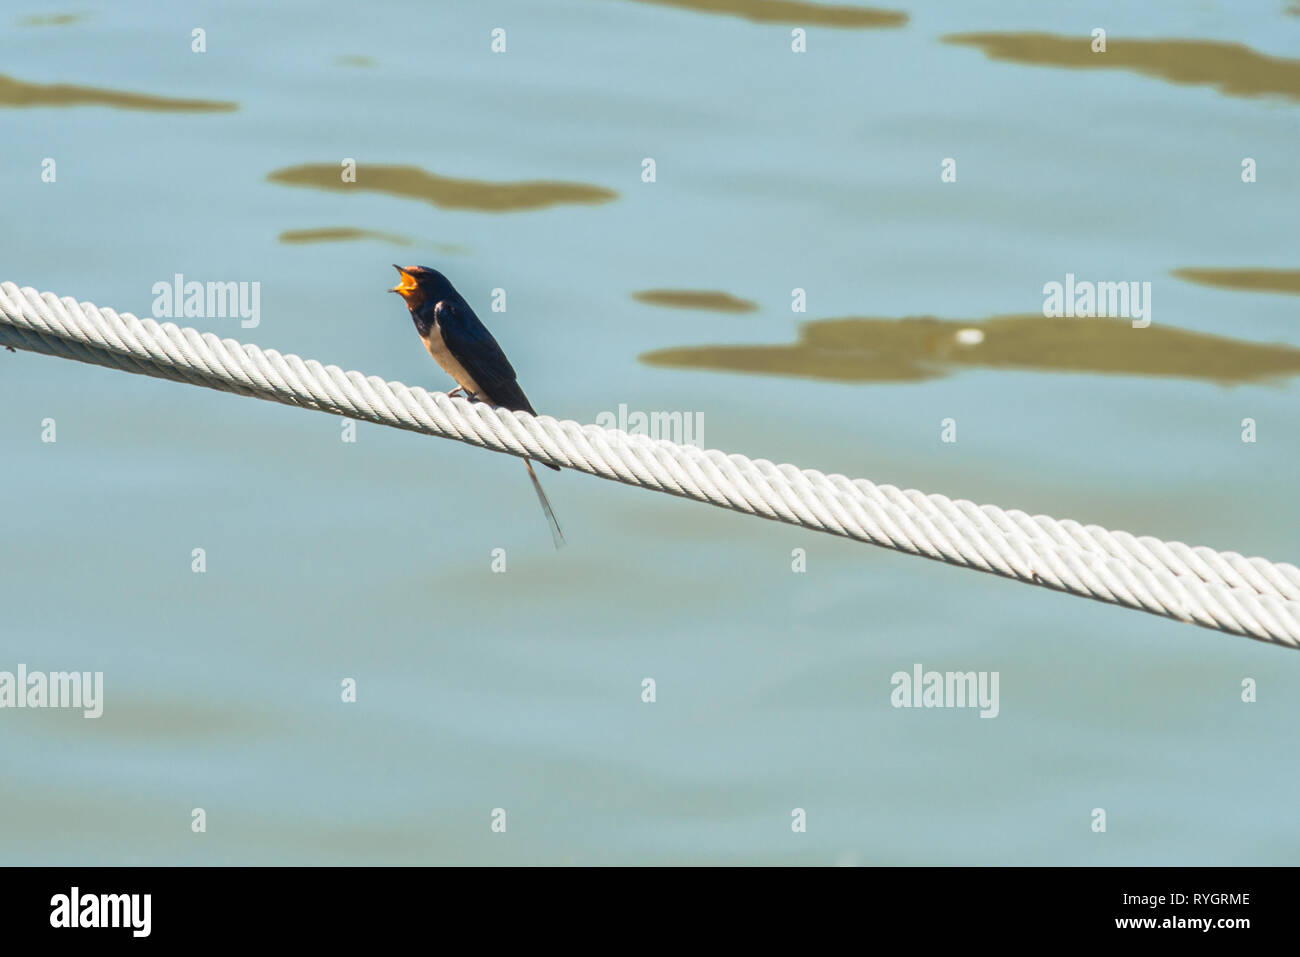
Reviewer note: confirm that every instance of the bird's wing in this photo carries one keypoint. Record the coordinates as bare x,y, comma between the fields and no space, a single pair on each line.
470,342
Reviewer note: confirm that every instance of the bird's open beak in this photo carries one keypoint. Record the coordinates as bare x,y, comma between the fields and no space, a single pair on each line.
407,283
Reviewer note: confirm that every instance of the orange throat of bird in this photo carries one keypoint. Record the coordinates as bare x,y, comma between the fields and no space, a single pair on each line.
409,290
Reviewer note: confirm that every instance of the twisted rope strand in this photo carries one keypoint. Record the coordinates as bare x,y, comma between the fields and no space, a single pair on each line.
1221,590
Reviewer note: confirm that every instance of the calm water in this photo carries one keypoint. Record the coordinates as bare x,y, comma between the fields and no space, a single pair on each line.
523,171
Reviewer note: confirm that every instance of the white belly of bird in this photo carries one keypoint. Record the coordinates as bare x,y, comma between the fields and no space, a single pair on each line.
442,355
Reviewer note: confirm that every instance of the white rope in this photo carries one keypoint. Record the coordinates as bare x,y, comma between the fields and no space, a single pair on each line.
1221,590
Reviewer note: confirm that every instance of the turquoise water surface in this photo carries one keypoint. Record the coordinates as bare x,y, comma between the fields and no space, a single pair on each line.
522,171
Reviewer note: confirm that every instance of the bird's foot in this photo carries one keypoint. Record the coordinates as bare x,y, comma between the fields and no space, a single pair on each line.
454,392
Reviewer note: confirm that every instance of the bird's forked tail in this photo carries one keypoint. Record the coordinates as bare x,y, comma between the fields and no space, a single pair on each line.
556,534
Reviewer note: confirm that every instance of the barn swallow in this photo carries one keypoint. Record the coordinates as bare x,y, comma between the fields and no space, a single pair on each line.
466,351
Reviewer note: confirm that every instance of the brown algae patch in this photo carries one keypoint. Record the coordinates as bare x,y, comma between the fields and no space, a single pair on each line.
913,349
793,12
22,94
446,192
707,299
1234,68
1250,280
